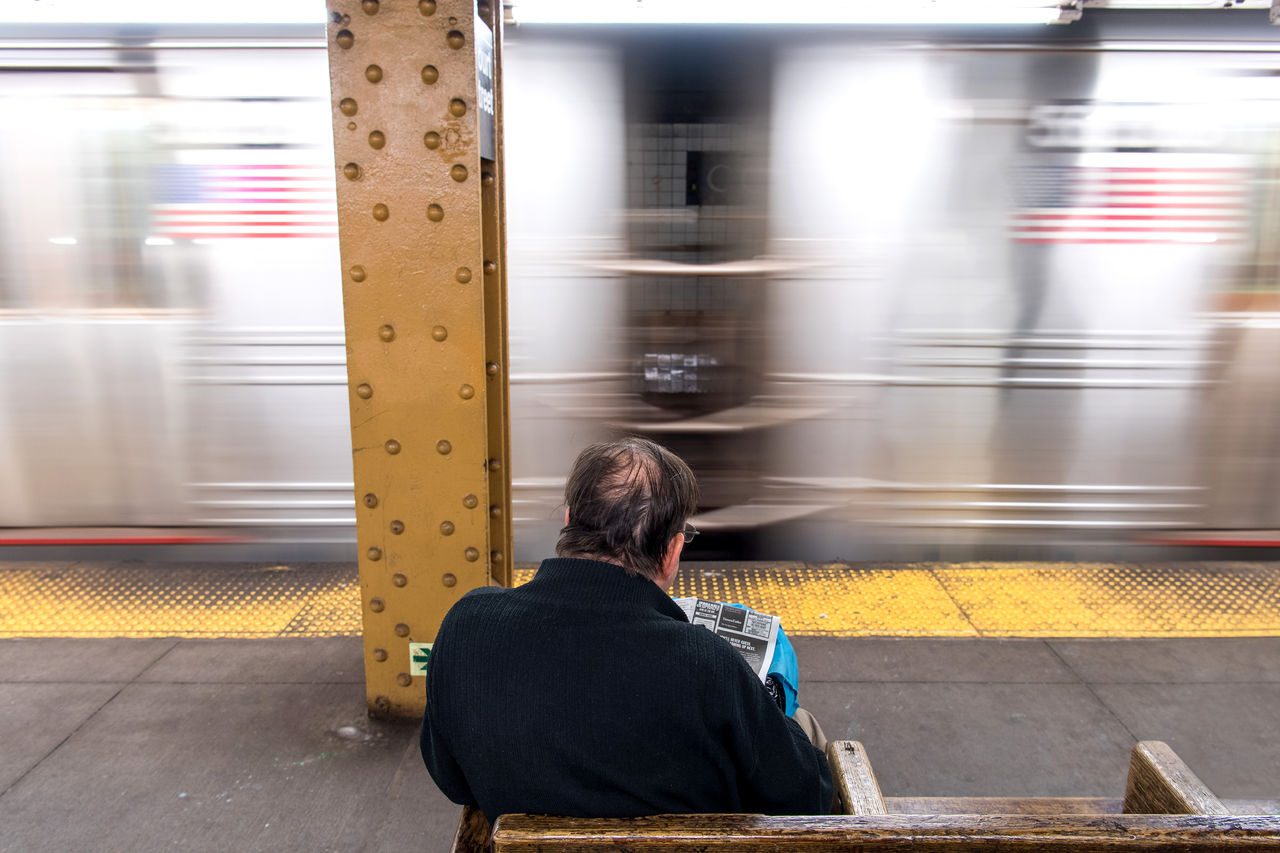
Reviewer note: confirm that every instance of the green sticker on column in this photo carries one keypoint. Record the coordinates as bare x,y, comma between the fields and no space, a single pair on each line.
419,654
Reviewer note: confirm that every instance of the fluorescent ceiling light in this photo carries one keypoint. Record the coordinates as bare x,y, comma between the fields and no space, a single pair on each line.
1177,4
63,241
806,12
162,12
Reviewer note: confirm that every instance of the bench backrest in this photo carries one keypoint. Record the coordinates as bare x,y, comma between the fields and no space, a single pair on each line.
1165,808
891,833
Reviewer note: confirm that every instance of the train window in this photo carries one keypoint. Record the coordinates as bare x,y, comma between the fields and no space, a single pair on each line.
697,195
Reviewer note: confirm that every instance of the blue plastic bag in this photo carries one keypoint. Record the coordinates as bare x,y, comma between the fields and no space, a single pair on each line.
784,666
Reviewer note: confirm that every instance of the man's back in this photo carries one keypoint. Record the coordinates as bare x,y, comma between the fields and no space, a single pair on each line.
587,693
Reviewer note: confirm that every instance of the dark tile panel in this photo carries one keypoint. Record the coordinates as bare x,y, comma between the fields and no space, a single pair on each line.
1228,734
877,659
999,740
1255,659
419,817
281,660
78,661
214,767
35,718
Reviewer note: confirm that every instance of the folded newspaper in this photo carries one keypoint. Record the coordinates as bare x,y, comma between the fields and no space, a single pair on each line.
753,634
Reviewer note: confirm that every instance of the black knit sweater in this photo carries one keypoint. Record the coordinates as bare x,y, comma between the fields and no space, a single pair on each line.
587,693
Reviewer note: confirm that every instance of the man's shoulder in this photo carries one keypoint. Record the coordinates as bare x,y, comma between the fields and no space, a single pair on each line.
703,645
478,599
482,591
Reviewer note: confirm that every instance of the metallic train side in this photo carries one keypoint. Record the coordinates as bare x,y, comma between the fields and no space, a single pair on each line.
896,294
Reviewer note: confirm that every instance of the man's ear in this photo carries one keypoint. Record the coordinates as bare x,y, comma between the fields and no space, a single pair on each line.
566,516
670,565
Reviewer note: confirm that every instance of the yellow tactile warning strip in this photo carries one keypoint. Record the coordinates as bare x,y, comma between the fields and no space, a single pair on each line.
884,599
999,599
206,600
1117,600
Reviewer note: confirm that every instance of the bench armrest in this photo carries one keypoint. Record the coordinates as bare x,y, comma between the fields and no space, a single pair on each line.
855,781
1161,783
474,834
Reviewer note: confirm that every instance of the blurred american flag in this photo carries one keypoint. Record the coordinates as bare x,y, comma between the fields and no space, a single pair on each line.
1131,204
237,201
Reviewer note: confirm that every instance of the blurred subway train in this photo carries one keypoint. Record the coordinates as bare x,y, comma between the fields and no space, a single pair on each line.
895,293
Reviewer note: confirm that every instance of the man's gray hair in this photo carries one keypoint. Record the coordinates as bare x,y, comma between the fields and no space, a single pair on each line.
627,500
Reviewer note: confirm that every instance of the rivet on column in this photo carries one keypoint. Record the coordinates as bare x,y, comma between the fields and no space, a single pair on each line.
375,553
380,655
373,74
426,8
345,39
351,171
403,679
364,391
443,447
471,555
430,74
387,333
357,273
399,579
381,212
371,500
370,7
431,139
470,501
440,333
458,173
495,464
448,579
377,139
397,527
392,446
495,511
402,630
490,268
435,212
446,528
382,704
456,39
491,368
495,557
458,107
463,275
466,392
377,605
348,107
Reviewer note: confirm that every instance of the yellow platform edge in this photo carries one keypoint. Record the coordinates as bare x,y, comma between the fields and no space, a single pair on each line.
1032,600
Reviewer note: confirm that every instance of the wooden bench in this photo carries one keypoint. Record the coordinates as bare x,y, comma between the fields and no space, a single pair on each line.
1165,808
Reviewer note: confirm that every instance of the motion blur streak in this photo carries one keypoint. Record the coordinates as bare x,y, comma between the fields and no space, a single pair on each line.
895,294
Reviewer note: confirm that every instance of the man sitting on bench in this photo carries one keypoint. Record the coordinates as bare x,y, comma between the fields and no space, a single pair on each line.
587,693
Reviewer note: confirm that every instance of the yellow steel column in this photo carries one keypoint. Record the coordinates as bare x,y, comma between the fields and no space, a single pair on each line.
420,214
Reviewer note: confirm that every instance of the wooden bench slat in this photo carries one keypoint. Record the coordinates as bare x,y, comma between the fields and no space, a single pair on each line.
891,833
855,781
1161,783
1004,805
1045,805
1165,808
1252,806
474,833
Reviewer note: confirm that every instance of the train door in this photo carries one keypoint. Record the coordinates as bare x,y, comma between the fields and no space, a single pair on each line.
93,425
696,221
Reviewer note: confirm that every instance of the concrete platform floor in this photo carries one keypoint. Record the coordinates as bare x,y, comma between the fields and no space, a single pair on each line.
263,745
